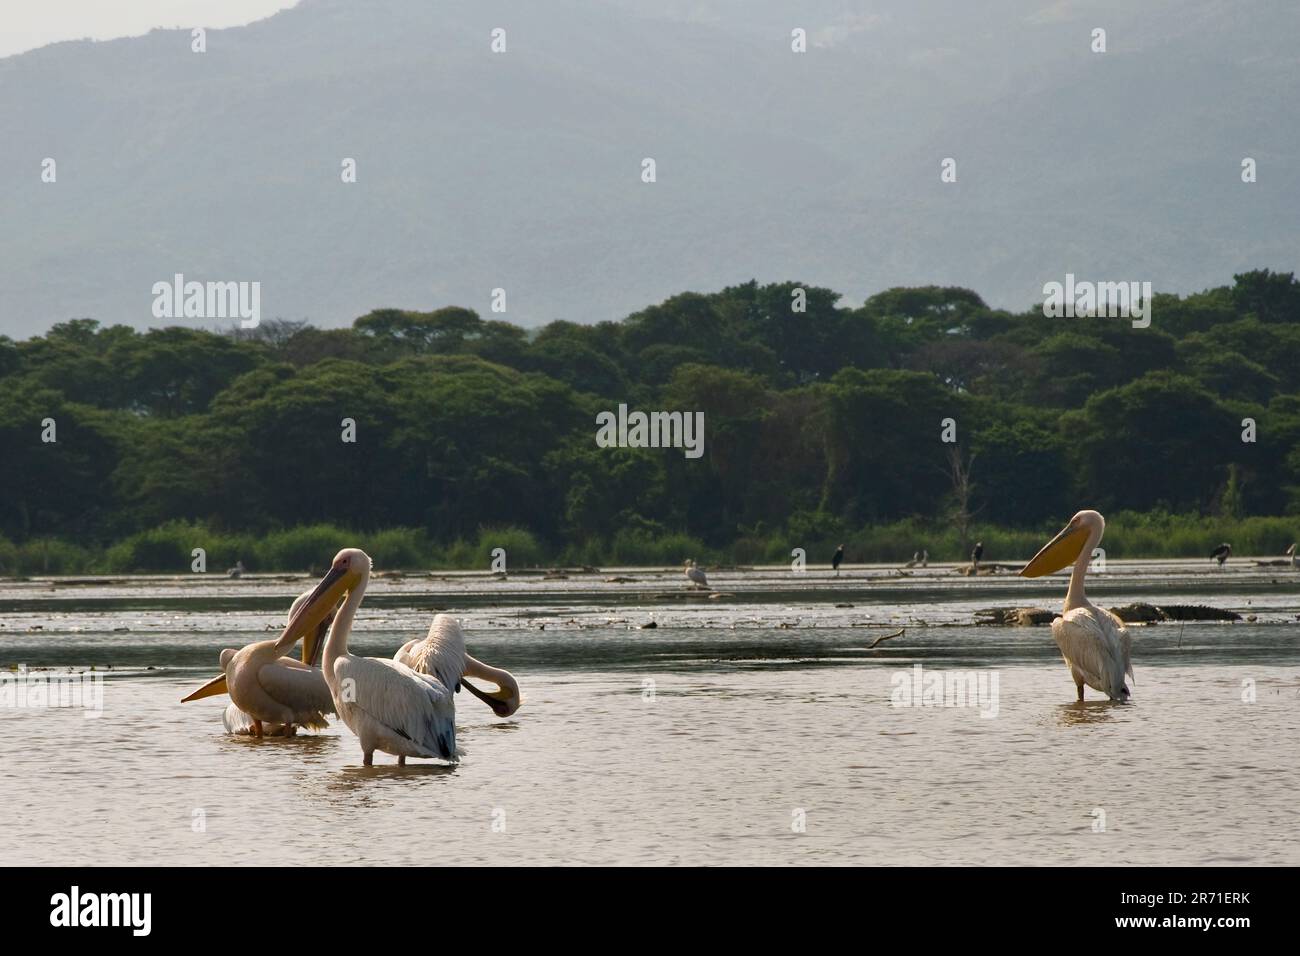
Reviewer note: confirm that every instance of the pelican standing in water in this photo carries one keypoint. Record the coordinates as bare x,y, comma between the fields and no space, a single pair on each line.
389,705
1094,642
442,651
696,575
270,693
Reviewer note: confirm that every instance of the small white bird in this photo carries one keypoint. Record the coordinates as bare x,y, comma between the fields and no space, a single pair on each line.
1095,644
695,575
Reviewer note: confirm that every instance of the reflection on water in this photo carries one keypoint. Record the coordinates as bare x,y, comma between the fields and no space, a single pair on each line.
691,743
1090,711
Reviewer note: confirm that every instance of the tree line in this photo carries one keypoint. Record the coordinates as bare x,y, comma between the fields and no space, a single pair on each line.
920,405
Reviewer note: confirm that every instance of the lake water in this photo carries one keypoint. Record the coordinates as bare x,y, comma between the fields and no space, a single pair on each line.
756,726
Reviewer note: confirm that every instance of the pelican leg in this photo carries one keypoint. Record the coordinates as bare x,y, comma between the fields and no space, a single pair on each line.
257,728
401,761
368,758
1080,686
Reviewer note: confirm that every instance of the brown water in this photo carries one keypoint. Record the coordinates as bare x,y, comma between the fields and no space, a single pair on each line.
756,728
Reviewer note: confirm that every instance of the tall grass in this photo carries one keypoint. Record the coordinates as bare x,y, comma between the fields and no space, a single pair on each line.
169,548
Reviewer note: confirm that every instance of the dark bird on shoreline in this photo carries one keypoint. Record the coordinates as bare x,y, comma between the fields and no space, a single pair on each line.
1221,553
837,558
976,553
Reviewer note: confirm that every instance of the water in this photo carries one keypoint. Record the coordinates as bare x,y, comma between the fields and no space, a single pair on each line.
708,739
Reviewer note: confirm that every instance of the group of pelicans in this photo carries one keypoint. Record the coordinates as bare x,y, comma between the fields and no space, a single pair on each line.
406,706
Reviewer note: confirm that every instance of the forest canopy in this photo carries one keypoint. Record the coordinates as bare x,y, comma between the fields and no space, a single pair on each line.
820,424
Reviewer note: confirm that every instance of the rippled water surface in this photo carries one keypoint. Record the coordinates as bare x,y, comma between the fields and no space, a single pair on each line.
754,726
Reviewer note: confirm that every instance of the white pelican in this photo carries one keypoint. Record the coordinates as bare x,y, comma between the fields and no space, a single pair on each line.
441,654
270,693
696,575
389,705
1094,642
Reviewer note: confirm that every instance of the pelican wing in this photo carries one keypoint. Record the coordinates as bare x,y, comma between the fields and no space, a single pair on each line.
300,688
1096,645
441,654
419,707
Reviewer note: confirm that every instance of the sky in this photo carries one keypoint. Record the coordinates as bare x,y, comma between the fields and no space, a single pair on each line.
28,24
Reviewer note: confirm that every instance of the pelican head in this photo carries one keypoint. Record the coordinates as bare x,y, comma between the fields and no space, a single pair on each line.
506,699
349,568
1066,547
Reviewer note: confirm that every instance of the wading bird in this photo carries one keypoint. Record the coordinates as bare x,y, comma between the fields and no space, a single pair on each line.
696,575
270,693
919,559
1221,553
836,558
442,651
976,553
389,705
1094,642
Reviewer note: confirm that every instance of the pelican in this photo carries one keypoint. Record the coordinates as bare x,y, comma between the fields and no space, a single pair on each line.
836,558
388,704
1094,643
442,652
696,575
1221,553
271,693
236,571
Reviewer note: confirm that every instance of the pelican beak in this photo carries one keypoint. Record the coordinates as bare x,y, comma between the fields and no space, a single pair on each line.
501,703
314,639
1062,550
213,687
318,609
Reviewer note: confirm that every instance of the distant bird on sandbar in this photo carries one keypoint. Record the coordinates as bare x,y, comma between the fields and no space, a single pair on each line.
236,571
696,575
976,553
919,559
1221,553
836,558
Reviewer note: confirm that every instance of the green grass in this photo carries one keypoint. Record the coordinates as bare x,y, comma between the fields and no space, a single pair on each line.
169,548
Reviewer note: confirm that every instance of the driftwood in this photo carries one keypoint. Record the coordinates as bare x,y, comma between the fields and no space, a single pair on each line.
886,637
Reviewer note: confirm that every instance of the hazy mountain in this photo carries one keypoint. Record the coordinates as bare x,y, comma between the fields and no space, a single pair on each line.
522,170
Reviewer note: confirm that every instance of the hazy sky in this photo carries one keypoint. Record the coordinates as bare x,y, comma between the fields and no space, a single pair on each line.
27,24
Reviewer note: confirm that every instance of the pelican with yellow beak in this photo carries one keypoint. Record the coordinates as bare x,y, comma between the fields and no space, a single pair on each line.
272,694
1094,642
393,706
